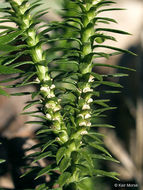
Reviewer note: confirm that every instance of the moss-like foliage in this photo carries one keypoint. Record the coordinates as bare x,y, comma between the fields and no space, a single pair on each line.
67,88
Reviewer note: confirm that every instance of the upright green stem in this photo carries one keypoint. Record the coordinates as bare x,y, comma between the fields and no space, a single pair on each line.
84,86
86,33
52,106
85,89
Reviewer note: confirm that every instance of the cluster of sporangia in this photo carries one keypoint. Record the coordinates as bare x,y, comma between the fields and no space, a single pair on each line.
52,107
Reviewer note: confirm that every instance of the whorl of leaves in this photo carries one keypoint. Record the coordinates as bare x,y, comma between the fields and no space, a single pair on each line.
67,88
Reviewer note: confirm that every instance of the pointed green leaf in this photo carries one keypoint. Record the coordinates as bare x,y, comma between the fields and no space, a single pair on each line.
83,168
43,131
113,66
94,137
31,74
42,187
32,155
111,91
64,178
102,149
31,104
60,154
40,116
29,113
20,94
65,85
10,48
112,9
22,63
101,102
86,155
106,19
1,161
115,48
3,92
100,38
11,58
7,27
104,173
98,111
108,83
10,37
34,122
104,3
104,157
8,70
32,6
65,163
113,30
42,156
40,13
103,125
50,142
34,94
45,170
116,75
29,171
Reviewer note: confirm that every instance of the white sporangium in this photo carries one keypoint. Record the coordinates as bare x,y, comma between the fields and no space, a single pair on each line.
48,116
84,133
83,123
87,116
91,78
19,2
52,105
89,100
52,86
87,89
47,89
85,107
88,124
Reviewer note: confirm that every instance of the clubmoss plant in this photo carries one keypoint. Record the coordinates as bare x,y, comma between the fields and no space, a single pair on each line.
67,88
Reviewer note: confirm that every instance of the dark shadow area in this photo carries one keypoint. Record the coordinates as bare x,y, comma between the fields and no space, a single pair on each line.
12,151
